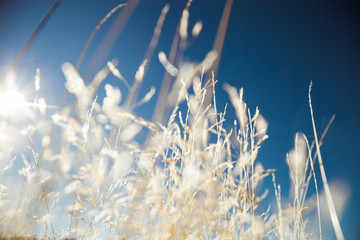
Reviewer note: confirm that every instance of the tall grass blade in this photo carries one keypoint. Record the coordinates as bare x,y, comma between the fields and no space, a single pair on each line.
334,218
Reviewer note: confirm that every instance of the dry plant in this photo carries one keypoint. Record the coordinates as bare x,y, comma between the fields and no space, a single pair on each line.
193,177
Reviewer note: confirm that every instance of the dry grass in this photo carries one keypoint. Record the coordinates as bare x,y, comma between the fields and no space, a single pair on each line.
193,178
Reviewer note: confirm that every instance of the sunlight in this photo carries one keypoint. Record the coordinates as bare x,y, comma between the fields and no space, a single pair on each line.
11,102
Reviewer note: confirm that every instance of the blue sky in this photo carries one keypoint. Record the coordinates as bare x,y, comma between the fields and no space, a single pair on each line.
272,49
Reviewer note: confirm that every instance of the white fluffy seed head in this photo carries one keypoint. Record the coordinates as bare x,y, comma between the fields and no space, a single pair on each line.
173,71
149,94
236,99
114,70
140,72
184,22
197,29
261,125
113,96
340,192
297,156
74,83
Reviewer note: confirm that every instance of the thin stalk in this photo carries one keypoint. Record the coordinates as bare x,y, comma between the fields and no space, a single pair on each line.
26,47
44,193
160,106
219,43
316,189
150,50
112,35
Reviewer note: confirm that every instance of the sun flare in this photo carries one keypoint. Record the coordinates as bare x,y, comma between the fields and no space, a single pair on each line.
11,102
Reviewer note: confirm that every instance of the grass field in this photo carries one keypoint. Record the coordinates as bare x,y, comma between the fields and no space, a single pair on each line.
97,170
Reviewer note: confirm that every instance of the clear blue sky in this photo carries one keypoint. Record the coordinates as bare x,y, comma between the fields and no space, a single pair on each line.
272,48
